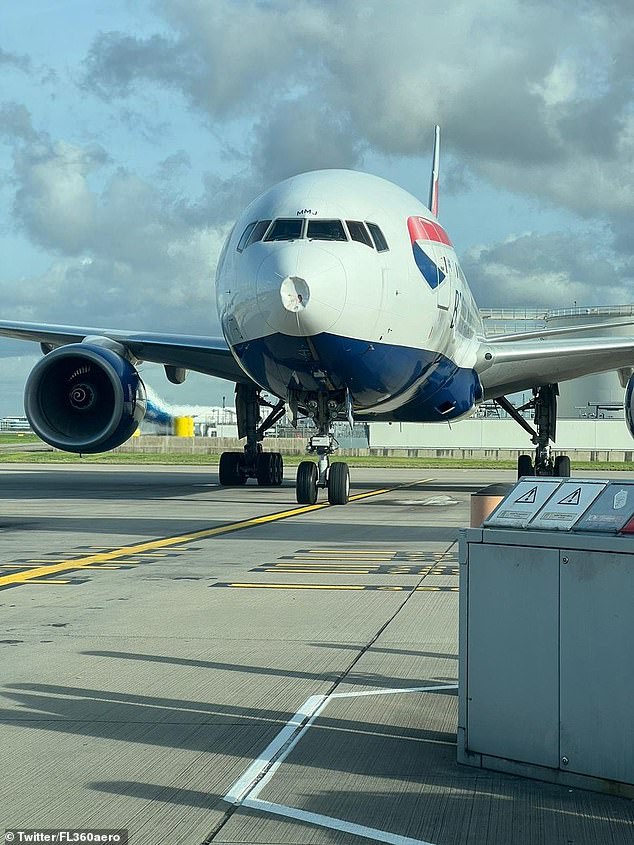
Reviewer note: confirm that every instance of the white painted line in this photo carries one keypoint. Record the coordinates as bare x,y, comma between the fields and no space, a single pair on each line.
246,789
332,823
259,786
250,778
393,691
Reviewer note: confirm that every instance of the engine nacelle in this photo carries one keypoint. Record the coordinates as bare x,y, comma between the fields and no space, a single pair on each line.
628,404
84,398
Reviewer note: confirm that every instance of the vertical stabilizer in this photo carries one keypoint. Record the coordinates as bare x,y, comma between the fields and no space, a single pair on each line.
433,188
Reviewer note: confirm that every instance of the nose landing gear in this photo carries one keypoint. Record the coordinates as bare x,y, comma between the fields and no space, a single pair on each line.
325,409
311,476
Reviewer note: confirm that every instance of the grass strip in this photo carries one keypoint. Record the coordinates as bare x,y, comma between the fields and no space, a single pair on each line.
189,459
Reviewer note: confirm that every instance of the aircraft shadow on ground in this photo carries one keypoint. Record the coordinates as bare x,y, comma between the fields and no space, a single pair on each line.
187,724
303,534
366,679
439,809
104,486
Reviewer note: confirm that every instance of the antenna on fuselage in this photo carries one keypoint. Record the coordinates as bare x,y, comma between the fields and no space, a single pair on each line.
435,169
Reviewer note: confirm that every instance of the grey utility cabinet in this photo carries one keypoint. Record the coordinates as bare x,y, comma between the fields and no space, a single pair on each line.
547,656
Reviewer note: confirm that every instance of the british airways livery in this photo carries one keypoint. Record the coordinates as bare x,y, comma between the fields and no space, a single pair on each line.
341,295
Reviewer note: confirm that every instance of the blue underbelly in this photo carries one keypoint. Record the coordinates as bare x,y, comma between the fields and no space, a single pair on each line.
432,387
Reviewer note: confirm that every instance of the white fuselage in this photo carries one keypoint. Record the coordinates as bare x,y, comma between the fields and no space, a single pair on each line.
337,281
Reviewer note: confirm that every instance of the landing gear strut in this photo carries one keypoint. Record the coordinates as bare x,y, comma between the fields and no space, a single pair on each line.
334,477
267,467
544,405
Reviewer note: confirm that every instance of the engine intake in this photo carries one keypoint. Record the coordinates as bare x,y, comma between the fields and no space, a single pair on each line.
84,398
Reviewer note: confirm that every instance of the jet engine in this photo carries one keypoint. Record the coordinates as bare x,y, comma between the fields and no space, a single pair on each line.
628,404
85,398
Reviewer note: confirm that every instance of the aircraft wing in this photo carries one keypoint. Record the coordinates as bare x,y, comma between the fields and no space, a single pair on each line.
204,355
509,366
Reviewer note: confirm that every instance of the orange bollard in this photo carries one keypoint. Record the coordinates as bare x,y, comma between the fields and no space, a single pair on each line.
485,501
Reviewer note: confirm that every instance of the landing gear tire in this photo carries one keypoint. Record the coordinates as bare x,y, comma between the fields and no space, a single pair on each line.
339,484
269,469
279,469
562,466
306,485
525,466
230,469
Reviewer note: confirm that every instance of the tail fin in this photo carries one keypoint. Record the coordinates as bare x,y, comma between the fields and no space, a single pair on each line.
433,188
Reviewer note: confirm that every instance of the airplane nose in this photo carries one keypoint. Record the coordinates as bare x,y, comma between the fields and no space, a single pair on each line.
301,289
294,293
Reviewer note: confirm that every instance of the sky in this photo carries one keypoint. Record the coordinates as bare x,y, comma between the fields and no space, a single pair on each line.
133,133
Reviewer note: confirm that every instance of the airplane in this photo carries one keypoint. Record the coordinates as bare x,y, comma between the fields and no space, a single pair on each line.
341,296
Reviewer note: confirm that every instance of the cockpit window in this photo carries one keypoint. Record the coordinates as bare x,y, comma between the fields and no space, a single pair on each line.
284,229
326,230
258,231
245,236
359,233
377,236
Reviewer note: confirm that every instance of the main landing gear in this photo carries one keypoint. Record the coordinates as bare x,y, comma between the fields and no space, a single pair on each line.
544,405
311,476
267,467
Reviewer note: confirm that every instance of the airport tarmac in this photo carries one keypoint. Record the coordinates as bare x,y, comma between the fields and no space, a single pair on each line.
219,665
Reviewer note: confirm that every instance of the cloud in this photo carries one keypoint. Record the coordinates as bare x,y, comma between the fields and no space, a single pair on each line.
299,135
221,56
535,97
127,252
15,122
54,201
117,60
551,270
14,60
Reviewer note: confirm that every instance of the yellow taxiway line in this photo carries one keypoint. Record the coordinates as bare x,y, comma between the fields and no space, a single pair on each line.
90,560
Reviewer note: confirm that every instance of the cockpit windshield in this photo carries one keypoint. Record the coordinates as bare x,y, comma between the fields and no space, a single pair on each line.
326,230
258,231
285,229
314,229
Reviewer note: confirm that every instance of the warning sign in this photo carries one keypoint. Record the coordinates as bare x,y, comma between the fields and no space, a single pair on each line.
570,502
528,498
572,498
522,503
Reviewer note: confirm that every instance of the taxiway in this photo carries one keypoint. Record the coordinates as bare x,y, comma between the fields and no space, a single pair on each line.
218,665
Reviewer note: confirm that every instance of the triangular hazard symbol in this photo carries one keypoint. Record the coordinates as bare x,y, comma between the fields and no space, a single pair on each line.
572,499
528,498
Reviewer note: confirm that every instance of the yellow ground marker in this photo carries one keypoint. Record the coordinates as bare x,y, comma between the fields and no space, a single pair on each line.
344,559
322,571
168,542
104,566
46,559
300,586
51,582
17,565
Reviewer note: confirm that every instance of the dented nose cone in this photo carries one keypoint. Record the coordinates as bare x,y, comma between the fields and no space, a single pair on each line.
301,289
294,293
